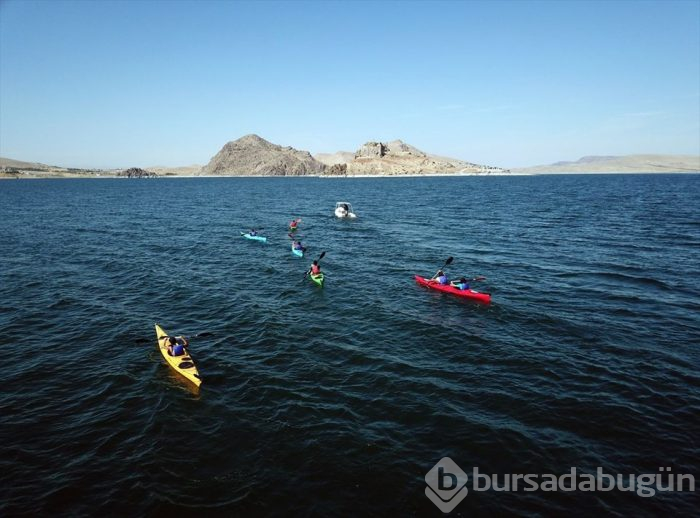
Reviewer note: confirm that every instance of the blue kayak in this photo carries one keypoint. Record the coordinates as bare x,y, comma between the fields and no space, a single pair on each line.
298,253
255,238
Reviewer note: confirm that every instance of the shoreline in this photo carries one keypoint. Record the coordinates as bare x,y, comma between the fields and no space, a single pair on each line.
343,177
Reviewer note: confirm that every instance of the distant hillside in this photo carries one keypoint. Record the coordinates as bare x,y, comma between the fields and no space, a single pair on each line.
399,158
7,163
10,168
190,170
339,157
252,155
621,164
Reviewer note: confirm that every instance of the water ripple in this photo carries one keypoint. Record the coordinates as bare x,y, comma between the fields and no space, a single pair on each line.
338,400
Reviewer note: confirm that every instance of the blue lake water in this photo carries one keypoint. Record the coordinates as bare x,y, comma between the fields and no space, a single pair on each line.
337,401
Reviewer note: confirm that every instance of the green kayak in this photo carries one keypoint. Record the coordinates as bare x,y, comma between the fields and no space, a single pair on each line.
318,278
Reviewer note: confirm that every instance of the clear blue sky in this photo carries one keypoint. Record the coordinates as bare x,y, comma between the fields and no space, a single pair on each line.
506,83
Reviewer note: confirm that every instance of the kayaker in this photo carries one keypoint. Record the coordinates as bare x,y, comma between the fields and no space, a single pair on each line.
176,345
294,223
440,277
253,232
315,268
461,284
296,245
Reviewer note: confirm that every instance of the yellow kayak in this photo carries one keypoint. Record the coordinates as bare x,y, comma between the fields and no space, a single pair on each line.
183,364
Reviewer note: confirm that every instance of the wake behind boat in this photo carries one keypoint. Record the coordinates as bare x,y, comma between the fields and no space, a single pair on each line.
343,209
254,237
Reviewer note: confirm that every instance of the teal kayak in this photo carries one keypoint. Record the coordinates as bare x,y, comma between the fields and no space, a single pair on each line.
255,238
298,253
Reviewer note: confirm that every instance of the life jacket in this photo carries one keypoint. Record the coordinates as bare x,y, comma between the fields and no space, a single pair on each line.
442,279
178,350
315,269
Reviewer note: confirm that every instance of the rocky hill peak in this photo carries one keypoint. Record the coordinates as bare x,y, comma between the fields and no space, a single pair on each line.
253,155
395,148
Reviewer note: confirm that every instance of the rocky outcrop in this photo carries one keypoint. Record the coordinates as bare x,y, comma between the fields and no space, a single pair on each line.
371,150
136,172
252,155
337,170
395,148
399,158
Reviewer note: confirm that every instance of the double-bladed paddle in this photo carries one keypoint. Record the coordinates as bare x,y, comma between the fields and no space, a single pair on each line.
148,341
449,261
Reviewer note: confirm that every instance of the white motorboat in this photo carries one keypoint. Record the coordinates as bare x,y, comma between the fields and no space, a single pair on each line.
344,210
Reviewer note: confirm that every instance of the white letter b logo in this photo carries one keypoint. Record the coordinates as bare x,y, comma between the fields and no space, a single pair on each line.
446,485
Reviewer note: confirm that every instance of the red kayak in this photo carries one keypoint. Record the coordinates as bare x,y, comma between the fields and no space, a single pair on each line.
468,294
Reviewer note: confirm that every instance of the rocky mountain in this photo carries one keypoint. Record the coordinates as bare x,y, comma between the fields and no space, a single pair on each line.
399,158
252,155
621,164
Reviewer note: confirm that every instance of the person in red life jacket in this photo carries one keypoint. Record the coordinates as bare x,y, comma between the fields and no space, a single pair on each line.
315,268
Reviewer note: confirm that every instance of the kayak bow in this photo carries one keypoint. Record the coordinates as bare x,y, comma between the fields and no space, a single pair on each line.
317,278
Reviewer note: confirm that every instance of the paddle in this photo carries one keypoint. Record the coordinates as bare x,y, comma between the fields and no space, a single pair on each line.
317,260
449,261
188,338
203,333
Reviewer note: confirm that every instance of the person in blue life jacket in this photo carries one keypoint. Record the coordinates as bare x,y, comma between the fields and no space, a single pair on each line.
253,232
176,345
440,277
461,284
296,245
